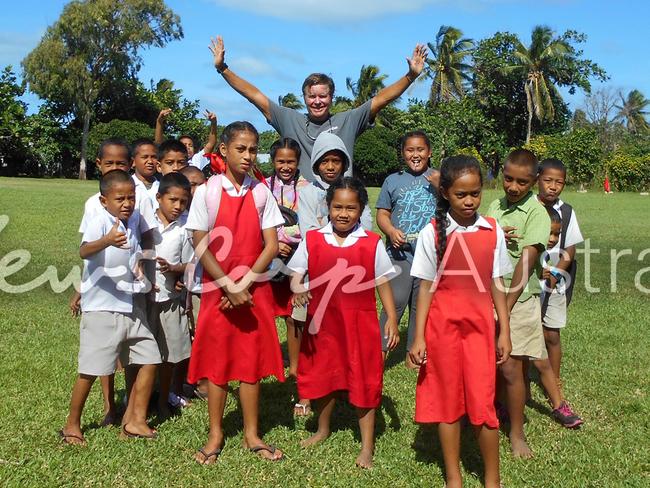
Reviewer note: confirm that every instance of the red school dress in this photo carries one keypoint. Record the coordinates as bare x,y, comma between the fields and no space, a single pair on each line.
345,353
239,344
459,376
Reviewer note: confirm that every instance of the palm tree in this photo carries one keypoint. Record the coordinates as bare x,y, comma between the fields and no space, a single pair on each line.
290,100
367,86
543,61
632,112
446,66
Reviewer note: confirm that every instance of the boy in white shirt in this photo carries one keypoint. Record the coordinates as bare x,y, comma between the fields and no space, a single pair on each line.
108,330
167,314
145,167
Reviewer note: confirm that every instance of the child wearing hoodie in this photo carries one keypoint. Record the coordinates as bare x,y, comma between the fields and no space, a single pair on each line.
330,159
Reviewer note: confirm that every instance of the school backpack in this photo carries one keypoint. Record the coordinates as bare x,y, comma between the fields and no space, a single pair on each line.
214,187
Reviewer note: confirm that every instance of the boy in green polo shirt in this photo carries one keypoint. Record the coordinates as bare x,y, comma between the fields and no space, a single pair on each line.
527,226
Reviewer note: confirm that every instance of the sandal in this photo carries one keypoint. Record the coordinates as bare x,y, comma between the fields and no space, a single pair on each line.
63,437
270,448
208,455
301,410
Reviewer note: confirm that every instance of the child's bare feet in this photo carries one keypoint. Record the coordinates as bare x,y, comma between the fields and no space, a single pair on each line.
520,448
137,430
302,408
319,436
209,453
260,448
72,436
364,459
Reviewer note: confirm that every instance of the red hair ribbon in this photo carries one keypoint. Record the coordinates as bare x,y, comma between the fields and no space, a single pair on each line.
218,166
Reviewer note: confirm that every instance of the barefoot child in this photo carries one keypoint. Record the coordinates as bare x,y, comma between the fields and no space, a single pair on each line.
527,225
461,258
406,203
108,329
285,184
236,337
167,316
552,176
342,349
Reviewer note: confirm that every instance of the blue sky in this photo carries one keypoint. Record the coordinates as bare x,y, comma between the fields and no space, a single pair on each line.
275,44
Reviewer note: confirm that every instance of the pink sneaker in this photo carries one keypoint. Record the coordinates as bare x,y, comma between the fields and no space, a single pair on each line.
566,416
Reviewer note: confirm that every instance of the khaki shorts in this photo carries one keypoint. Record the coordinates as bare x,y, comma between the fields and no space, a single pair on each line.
555,316
169,323
106,336
526,332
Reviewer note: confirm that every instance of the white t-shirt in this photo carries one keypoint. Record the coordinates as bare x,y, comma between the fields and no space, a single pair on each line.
172,244
108,283
425,259
573,234
200,160
144,212
383,265
198,218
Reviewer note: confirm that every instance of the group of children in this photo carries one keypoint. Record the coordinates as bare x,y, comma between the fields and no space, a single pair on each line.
244,251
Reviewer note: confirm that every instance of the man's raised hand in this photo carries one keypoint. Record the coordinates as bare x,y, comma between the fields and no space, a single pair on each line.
218,51
417,60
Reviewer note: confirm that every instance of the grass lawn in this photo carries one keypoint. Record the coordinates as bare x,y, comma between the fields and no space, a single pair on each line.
606,372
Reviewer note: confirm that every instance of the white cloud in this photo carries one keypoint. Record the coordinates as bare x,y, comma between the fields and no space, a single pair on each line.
319,11
252,66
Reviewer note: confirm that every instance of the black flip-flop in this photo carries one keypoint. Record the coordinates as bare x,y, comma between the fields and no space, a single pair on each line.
208,455
270,448
133,435
63,437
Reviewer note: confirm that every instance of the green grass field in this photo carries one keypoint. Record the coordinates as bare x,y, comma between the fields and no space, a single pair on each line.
606,372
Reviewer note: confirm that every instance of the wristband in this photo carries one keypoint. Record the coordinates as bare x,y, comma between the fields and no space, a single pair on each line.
224,67
557,274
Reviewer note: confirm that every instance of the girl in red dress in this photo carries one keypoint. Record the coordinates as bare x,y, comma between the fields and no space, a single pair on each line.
236,338
285,184
460,258
342,349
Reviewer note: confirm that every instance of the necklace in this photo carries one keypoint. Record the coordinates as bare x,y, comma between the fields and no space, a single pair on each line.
307,128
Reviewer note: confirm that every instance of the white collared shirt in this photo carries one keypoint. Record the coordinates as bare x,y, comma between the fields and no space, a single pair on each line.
144,211
199,215
573,234
383,265
425,260
107,283
141,190
171,243
199,160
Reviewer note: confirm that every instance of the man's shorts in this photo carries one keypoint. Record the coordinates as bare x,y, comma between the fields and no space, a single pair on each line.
555,316
526,332
168,320
106,336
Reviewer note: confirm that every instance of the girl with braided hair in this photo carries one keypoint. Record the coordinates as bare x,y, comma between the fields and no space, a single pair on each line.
460,258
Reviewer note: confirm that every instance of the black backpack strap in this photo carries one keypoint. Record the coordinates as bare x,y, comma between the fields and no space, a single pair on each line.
566,211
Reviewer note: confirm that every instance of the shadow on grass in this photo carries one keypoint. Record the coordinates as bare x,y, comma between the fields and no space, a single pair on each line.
427,449
344,417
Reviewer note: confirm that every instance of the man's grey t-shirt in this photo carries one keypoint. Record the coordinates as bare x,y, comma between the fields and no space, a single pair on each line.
347,125
412,202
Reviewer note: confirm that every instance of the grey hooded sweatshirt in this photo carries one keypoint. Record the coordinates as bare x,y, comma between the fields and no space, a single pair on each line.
312,207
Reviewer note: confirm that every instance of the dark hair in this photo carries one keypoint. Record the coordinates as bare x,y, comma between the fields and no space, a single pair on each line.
551,163
171,145
285,143
523,157
554,215
138,143
112,178
113,141
413,133
189,169
451,169
240,126
186,136
174,180
348,183
318,79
